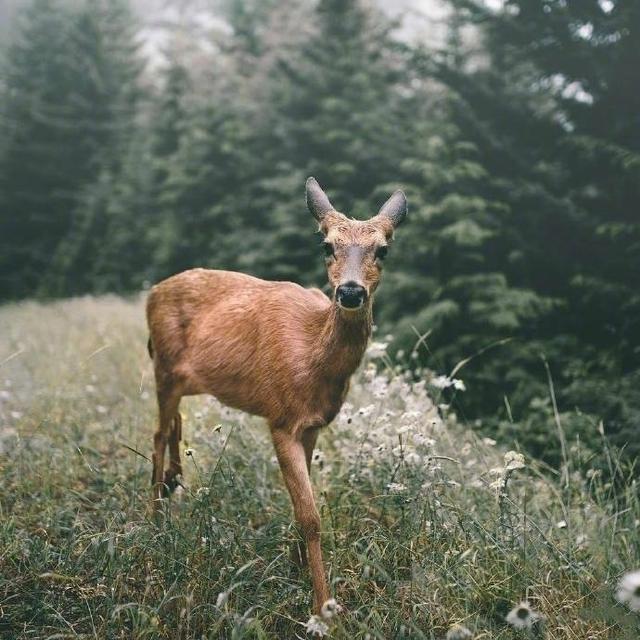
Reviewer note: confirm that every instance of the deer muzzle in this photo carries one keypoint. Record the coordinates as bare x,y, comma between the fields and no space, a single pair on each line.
351,295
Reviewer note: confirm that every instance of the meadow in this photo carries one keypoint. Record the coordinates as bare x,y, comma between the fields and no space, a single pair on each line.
425,523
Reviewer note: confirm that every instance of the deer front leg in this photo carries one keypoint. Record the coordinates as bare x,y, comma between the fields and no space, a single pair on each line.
291,454
308,438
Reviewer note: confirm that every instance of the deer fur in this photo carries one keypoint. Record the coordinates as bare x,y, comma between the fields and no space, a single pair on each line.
272,349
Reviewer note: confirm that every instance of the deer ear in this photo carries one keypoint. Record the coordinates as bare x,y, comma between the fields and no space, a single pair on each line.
395,208
317,200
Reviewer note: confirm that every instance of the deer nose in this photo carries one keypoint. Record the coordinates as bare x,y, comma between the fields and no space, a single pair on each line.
351,295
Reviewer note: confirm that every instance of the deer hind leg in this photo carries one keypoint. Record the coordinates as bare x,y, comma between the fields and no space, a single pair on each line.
168,402
293,463
308,439
175,466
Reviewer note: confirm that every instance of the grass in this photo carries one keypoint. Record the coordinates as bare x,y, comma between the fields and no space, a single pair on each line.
424,524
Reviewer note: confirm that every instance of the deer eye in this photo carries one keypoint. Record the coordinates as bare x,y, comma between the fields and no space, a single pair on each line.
381,253
329,251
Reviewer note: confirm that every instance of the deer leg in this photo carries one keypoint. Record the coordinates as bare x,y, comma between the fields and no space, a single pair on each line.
175,466
293,463
168,402
308,439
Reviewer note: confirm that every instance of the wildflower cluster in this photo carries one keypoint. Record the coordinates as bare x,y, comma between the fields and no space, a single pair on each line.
524,617
318,625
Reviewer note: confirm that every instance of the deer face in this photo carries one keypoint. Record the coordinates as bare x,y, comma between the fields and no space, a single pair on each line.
354,249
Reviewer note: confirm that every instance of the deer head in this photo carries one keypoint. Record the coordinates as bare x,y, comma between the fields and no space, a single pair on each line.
355,249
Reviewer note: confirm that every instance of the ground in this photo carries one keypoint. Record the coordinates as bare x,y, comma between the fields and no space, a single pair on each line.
425,524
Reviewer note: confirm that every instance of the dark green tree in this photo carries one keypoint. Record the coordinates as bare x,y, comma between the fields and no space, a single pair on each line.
343,111
537,106
71,98
104,93
43,161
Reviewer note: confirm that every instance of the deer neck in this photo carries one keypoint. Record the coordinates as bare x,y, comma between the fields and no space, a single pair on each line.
343,339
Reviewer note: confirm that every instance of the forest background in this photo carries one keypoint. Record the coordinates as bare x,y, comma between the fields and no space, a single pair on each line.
138,141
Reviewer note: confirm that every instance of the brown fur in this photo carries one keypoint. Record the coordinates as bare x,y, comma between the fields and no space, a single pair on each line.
272,349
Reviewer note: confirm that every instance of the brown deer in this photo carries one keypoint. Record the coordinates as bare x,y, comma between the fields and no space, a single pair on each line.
273,349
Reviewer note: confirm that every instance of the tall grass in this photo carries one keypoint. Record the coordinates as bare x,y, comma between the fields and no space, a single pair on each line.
425,524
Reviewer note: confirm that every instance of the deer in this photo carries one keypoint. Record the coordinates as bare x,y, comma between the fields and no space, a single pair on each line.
272,349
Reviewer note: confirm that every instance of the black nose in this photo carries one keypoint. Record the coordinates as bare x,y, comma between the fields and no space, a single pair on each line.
351,295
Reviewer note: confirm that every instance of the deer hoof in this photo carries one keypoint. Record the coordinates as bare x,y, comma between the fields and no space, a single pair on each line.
171,482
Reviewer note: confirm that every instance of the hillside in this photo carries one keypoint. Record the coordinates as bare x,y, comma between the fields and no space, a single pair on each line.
424,524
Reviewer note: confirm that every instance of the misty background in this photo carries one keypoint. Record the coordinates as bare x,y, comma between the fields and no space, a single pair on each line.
141,139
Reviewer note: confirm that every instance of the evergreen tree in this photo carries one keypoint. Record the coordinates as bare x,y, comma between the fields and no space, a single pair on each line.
343,112
105,96
70,106
535,112
43,160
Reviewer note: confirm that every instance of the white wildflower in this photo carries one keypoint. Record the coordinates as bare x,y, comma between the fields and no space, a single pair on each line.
379,387
317,627
330,608
441,382
318,457
490,442
522,616
628,592
396,487
377,349
606,5
413,458
458,632
422,440
562,524
189,452
458,385
581,540
366,411
202,492
204,540
513,460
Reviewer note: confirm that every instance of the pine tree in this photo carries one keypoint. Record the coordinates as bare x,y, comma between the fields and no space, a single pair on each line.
105,95
342,112
40,169
539,110
71,101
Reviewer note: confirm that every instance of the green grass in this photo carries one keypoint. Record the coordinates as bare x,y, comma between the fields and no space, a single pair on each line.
79,556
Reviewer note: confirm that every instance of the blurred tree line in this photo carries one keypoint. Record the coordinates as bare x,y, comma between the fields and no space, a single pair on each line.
517,143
